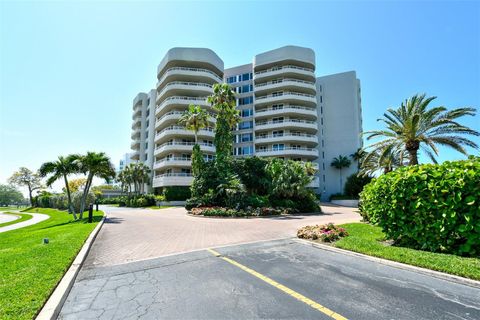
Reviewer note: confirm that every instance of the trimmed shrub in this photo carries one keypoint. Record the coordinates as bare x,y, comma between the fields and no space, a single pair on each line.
176,193
428,207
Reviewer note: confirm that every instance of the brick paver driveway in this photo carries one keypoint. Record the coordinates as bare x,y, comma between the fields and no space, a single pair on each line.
137,234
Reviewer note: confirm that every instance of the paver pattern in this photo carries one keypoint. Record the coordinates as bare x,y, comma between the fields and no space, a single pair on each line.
137,234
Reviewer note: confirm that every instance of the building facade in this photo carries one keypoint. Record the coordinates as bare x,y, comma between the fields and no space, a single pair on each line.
286,112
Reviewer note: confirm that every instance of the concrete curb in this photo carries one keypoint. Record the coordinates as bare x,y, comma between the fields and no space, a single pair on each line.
51,309
428,272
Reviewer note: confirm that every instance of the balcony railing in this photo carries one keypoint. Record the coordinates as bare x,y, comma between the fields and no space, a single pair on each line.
184,144
262,123
283,80
286,106
285,148
204,99
267,136
279,94
284,67
211,114
178,174
182,128
189,69
173,159
195,84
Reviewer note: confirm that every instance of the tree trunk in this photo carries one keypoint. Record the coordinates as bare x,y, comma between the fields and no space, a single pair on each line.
30,195
84,196
196,138
69,196
341,185
412,149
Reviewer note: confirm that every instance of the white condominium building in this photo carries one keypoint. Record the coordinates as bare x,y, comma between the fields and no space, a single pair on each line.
286,112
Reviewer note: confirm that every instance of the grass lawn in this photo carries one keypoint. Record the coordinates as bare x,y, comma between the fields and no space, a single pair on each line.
30,269
23,217
367,239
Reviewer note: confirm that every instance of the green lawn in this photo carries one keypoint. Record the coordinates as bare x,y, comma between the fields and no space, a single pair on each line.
30,269
23,217
368,239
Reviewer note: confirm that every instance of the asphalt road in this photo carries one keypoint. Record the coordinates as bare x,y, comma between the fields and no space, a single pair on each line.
281,279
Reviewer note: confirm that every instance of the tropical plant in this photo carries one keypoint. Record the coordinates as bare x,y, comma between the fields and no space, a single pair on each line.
223,101
76,184
94,164
358,155
414,126
289,178
355,184
194,118
25,177
339,163
134,175
59,169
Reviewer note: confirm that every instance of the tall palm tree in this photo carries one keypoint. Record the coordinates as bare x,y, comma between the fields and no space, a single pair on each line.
223,101
61,168
94,164
339,163
415,125
194,118
357,156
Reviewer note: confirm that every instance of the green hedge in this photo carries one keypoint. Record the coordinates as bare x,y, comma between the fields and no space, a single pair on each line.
176,193
428,207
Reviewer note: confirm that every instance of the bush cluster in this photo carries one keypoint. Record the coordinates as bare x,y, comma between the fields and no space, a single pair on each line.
428,207
173,193
60,201
247,212
254,183
134,201
326,233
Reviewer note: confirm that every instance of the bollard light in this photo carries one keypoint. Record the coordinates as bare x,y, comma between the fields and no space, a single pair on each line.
46,241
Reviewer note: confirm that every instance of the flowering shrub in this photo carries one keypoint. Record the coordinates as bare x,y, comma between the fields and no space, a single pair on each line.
247,212
326,233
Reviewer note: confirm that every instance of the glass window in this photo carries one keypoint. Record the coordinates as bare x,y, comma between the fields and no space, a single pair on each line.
245,125
247,150
278,146
247,112
245,76
246,137
246,100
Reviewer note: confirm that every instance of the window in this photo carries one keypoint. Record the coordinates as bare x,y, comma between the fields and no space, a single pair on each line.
321,121
262,148
296,146
148,101
246,137
186,171
147,124
277,120
323,154
245,77
246,113
277,106
146,145
245,125
232,79
148,112
278,133
321,109
278,146
246,100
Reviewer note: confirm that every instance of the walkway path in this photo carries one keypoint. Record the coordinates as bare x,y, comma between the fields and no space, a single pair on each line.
4,218
138,234
37,217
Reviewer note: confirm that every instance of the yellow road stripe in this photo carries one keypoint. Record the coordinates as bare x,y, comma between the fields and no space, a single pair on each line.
281,287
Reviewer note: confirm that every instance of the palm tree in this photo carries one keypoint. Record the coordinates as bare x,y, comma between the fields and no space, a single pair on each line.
385,160
223,101
414,125
194,118
61,168
339,163
357,156
94,164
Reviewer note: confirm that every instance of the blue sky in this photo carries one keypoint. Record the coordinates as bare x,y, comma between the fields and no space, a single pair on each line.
69,71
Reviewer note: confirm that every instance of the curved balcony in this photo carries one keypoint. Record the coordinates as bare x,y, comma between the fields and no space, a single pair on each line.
293,124
172,162
288,137
172,179
137,122
170,147
285,71
308,153
135,145
136,134
289,97
179,88
135,156
286,84
179,101
137,111
172,117
179,131
286,110
193,74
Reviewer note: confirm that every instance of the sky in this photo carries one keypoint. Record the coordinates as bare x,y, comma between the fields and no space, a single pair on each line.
70,70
